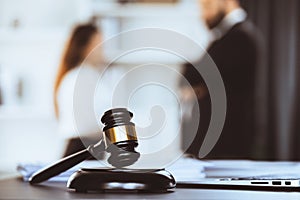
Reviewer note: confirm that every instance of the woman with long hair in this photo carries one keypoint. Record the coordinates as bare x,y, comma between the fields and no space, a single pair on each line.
77,57
83,39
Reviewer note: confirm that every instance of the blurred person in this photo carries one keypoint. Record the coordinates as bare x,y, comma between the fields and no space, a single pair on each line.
236,51
82,56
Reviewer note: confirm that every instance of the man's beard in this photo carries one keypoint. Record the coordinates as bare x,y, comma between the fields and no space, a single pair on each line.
216,20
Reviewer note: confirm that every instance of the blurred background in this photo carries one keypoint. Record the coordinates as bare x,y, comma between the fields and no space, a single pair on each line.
33,34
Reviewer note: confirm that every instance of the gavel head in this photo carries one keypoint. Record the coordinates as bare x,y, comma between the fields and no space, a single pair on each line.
120,138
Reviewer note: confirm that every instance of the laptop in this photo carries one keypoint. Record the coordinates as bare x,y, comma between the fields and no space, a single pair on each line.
249,175
259,183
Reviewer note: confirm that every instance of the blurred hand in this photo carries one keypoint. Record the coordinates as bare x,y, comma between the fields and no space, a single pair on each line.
188,93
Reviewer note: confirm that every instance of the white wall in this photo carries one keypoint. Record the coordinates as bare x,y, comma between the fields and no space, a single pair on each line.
31,51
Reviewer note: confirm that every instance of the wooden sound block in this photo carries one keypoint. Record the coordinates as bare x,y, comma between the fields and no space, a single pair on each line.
115,180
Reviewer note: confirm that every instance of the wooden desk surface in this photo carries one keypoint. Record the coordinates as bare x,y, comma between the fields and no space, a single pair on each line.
15,188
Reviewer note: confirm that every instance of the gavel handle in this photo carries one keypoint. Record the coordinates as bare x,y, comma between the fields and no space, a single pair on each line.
64,164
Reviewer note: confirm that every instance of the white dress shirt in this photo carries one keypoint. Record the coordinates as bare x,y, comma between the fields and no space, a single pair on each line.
234,17
90,110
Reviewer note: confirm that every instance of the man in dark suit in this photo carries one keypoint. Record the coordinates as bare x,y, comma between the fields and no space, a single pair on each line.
236,52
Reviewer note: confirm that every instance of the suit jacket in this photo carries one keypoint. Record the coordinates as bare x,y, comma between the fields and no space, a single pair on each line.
237,56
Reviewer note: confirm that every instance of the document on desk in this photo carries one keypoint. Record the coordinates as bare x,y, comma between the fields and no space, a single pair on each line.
184,169
28,169
188,169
